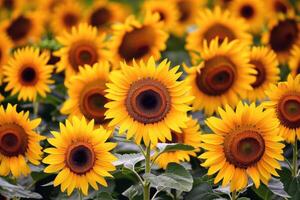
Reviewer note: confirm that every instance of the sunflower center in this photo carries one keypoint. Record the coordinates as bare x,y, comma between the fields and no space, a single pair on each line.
28,76
176,138
184,8
82,53
70,20
80,158
284,35
13,140
288,111
8,4
100,17
219,30
247,11
216,77
261,73
19,28
162,15
137,43
92,103
297,71
280,7
148,101
244,149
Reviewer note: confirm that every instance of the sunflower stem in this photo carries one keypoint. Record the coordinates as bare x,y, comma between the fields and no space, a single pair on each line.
233,195
80,195
295,159
147,171
35,108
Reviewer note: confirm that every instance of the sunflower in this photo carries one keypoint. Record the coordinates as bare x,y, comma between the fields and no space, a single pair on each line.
83,45
5,48
189,136
285,106
86,93
104,13
252,11
244,144
138,40
294,61
188,10
24,27
167,11
223,77
19,143
7,6
277,7
80,156
283,34
28,74
65,16
147,101
223,3
216,23
266,65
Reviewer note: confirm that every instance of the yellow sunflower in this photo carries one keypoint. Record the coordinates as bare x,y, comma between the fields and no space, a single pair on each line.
268,72
80,155
148,101
252,11
19,143
277,7
8,6
5,48
103,14
83,45
294,61
66,16
285,106
24,27
138,40
28,74
188,10
283,33
216,23
86,92
190,136
223,77
167,11
244,144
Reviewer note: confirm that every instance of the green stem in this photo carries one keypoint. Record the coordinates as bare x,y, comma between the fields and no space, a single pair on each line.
36,108
233,195
295,159
80,196
147,171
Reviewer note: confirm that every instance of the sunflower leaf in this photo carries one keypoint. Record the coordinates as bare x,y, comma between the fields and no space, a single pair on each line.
133,192
128,160
176,177
164,147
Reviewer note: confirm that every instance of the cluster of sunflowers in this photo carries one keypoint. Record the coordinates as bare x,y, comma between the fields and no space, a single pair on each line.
90,96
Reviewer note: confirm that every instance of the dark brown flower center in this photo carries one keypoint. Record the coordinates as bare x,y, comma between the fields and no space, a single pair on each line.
288,111
247,11
80,158
280,7
162,15
28,76
137,43
19,28
9,4
244,149
82,53
217,76
148,101
92,101
70,20
284,35
219,30
261,73
100,17
176,138
298,68
13,140
184,8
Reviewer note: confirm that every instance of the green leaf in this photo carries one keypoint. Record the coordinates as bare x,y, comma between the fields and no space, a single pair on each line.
129,160
164,147
104,196
263,192
291,184
176,177
277,188
202,190
133,192
9,190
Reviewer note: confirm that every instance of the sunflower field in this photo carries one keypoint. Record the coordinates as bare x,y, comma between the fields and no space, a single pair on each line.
150,99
